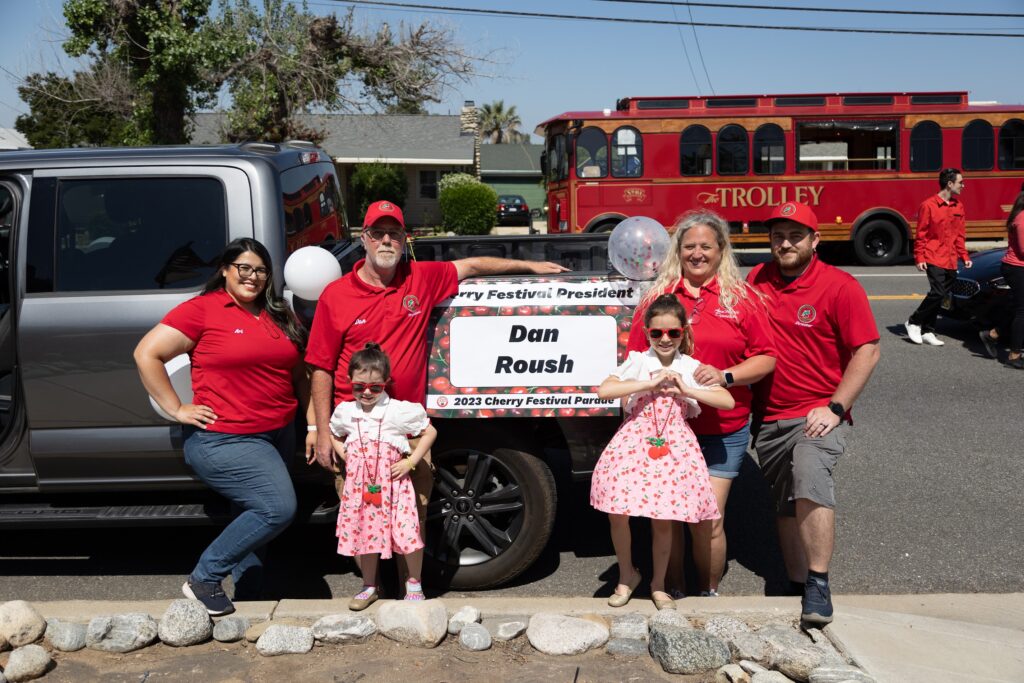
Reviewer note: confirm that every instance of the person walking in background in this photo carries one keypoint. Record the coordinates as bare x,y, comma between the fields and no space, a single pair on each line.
652,467
828,348
1013,272
245,346
732,340
940,241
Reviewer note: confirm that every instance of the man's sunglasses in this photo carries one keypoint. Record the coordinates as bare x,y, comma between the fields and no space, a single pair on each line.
672,332
360,387
377,234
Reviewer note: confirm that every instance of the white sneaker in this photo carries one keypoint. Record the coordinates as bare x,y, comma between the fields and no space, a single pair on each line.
930,339
914,332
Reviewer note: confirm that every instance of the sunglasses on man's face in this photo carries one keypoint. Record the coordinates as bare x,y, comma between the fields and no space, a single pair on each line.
377,234
360,387
672,332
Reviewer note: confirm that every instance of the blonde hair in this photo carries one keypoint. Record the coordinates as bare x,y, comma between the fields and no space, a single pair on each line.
731,285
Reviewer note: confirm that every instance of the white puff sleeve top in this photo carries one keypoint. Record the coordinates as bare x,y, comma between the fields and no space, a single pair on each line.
397,421
641,365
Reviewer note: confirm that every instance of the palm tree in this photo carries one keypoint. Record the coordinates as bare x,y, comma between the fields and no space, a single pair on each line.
498,125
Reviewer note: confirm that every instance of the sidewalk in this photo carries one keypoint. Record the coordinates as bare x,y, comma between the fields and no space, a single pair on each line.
945,638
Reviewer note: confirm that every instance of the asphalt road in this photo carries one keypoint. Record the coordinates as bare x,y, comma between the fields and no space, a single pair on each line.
929,492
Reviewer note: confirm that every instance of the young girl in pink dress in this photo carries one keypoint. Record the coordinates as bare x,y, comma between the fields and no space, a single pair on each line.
653,466
378,505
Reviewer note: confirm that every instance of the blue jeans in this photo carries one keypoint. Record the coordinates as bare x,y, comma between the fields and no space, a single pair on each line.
250,471
724,453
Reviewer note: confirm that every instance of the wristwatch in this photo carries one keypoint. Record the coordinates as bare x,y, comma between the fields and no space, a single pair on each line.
728,378
837,409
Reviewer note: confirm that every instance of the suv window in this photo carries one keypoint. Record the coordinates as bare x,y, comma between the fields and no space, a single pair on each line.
130,234
312,202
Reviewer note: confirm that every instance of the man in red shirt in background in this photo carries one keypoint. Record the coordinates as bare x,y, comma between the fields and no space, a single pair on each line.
941,231
827,346
387,300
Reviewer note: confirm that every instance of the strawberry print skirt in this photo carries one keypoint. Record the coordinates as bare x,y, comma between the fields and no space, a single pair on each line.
365,528
676,485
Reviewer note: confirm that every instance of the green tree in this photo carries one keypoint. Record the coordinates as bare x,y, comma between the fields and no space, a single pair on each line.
375,182
64,114
499,125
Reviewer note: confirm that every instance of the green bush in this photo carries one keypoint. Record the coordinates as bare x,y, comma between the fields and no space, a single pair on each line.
454,180
372,183
469,209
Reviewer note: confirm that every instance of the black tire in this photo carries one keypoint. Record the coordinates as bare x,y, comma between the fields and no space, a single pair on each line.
500,526
878,243
604,226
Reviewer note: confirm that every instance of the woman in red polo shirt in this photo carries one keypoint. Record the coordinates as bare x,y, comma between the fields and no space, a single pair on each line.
245,347
733,342
1013,273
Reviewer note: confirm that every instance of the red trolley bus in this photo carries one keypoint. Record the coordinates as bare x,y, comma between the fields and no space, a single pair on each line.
864,161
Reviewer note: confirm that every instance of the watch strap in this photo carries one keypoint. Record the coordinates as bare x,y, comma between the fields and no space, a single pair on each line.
837,409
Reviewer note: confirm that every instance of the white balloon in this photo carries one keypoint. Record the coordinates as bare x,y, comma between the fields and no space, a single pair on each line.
638,246
309,270
179,369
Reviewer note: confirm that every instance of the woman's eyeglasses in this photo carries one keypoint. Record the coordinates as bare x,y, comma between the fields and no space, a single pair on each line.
360,387
672,332
247,271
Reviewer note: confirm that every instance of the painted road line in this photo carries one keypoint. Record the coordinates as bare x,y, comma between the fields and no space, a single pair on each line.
895,297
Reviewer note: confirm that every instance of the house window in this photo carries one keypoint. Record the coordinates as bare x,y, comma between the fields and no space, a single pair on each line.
428,184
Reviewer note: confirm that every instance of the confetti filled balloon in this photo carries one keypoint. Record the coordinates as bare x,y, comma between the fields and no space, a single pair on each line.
638,246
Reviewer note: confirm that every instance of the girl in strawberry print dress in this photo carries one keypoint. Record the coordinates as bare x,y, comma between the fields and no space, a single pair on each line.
378,514
653,466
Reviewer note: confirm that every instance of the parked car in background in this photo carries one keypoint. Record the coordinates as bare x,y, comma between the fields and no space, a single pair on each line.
513,210
980,294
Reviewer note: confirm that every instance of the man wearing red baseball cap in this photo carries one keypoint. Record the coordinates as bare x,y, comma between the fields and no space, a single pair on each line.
388,301
827,345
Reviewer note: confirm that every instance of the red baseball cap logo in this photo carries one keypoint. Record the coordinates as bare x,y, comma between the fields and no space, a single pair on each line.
382,209
796,212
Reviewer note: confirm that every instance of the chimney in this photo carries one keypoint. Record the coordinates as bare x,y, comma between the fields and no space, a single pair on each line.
469,121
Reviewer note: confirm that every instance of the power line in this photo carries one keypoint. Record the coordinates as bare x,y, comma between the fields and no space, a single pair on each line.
660,22
700,52
693,74
782,8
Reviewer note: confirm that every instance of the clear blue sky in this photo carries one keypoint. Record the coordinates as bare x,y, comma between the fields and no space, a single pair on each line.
548,66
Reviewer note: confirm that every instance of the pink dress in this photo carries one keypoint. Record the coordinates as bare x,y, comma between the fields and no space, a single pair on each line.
674,486
375,441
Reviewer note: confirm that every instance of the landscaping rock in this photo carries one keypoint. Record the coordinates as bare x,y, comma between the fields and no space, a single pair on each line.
121,632
473,636
344,628
3,646
631,626
770,677
20,623
26,663
627,647
797,663
685,650
732,673
725,628
285,640
749,646
253,633
751,667
420,623
839,673
465,615
230,629
186,622
668,617
556,634
510,629
65,636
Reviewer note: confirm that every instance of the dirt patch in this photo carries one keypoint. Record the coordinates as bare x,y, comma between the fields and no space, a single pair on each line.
377,660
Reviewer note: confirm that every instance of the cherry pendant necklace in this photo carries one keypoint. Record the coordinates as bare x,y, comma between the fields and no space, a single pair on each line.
371,491
658,444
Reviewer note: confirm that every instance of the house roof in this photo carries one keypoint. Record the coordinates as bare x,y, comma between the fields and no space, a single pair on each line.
357,138
12,139
510,159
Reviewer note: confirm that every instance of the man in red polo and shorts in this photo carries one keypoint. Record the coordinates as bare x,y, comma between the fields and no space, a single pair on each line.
827,344
387,300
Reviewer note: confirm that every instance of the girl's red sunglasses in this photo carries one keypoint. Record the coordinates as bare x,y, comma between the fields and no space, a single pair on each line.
672,332
360,387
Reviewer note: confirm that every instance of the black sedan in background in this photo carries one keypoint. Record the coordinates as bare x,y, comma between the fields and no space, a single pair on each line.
512,210
980,295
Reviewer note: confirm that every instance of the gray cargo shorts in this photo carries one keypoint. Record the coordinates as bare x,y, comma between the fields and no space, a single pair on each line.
797,466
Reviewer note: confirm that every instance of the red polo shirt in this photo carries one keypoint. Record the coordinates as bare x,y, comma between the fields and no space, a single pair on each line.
351,313
1015,248
941,231
818,320
241,365
722,338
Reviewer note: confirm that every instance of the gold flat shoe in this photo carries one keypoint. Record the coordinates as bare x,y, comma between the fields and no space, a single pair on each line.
620,599
662,602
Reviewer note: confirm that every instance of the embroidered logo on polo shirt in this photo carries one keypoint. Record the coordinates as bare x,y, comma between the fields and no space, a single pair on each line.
239,331
411,303
360,321
727,313
806,314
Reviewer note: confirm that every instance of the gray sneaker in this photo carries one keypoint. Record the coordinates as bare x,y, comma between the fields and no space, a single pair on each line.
211,595
991,350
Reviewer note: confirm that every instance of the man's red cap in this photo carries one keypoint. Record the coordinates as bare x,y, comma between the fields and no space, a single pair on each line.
796,212
382,209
